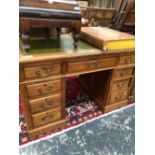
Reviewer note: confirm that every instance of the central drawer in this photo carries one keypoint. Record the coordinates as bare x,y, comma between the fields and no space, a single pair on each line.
43,88
90,65
45,103
46,117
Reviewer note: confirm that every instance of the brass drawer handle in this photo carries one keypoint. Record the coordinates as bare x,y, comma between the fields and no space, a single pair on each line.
49,71
117,98
48,104
126,61
48,68
129,60
41,106
120,85
40,91
38,73
96,64
50,88
88,65
124,73
47,117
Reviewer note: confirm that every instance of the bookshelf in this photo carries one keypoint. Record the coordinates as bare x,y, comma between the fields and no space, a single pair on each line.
102,11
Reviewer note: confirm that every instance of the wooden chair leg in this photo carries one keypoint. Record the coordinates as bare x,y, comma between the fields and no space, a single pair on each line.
76,37
47,34
58,32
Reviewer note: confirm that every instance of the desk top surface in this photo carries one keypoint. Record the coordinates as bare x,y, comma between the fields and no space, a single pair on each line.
59,49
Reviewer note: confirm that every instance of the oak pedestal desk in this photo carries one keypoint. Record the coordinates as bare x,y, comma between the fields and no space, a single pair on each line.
108,77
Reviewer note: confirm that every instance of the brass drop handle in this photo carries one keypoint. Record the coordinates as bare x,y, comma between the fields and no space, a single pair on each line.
47,117
45,105
118,98
119,85
88,65
38,73
50,88
96,64
41,105
40,91
124,72
126,61
131,59
48,103
49,71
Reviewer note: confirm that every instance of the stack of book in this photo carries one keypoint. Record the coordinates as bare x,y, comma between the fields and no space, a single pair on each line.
107,39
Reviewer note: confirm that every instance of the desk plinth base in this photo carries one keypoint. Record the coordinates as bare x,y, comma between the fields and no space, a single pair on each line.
49,127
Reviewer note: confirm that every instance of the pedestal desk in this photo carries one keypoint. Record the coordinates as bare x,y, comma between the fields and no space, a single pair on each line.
108,77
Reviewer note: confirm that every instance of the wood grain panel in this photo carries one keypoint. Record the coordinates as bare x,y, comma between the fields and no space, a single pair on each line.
118,96
90,65
119,85
42,71
45,103
123,73
114,106
125,60
46,117
43,88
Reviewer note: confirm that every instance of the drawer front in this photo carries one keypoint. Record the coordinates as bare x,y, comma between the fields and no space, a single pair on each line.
116,97
42,71
119,85
89,65
125,60
46,117
45,103
43,88
106,63
123,73
114,106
